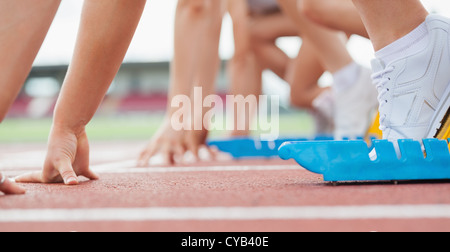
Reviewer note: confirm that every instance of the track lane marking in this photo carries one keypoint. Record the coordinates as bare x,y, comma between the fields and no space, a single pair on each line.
130,167
228,213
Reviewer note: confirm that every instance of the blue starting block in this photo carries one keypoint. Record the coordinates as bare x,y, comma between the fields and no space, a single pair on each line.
240,148
340,161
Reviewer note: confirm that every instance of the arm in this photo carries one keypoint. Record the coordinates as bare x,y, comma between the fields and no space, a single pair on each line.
245,72
23,27
239,13
106,30
195,63
188,22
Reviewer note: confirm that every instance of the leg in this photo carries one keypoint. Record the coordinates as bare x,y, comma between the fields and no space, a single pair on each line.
264,31
23,27
398,19
339,15
413,49
307,71
330,47
106,30
302,73
351,81
255,51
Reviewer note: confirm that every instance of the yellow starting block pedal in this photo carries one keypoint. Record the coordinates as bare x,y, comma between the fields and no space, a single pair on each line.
444,131
375,131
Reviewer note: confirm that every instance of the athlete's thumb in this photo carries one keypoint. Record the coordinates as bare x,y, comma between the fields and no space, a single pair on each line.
66,171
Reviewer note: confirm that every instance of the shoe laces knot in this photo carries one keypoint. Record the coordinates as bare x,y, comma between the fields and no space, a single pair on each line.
381,80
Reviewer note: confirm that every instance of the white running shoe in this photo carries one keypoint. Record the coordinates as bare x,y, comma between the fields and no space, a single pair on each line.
414,90
323,113
355,108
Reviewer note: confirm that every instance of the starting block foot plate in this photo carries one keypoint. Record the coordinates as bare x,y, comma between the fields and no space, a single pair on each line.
340,161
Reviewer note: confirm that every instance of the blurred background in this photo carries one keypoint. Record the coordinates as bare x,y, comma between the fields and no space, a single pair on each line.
136,102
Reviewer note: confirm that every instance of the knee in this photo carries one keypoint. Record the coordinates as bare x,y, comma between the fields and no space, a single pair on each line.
311,8
299,97
257,34
298,101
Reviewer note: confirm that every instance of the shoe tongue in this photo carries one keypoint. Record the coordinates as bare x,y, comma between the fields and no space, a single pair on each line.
377,65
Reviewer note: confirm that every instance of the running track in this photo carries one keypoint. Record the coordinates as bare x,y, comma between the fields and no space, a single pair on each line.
251,195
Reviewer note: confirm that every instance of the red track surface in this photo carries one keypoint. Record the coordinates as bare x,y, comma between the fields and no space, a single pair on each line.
252,195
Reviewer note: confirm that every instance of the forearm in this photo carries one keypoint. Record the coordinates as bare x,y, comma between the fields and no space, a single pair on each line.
239,13
196,45
187,30
208,60
106,30
243,59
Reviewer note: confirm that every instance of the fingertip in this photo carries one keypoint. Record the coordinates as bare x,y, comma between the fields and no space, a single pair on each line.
142,162
71,181
143,159
31,177
9,187
17,179
20,190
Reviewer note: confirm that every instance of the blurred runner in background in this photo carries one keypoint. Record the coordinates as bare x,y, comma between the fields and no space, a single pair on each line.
347,110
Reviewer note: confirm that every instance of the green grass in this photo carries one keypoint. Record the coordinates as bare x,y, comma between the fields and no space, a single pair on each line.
130,127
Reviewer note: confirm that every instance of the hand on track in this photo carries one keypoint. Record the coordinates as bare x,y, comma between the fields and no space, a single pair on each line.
67,158
8,187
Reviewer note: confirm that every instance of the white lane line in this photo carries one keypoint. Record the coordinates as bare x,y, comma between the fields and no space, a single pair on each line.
35,159
228,213
130,167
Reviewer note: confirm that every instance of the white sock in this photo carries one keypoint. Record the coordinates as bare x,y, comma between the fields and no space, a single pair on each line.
346,77
410,44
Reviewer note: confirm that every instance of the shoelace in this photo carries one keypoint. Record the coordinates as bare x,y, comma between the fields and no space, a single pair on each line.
380,80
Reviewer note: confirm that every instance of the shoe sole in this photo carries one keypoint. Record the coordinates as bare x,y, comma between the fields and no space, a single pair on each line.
440,127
